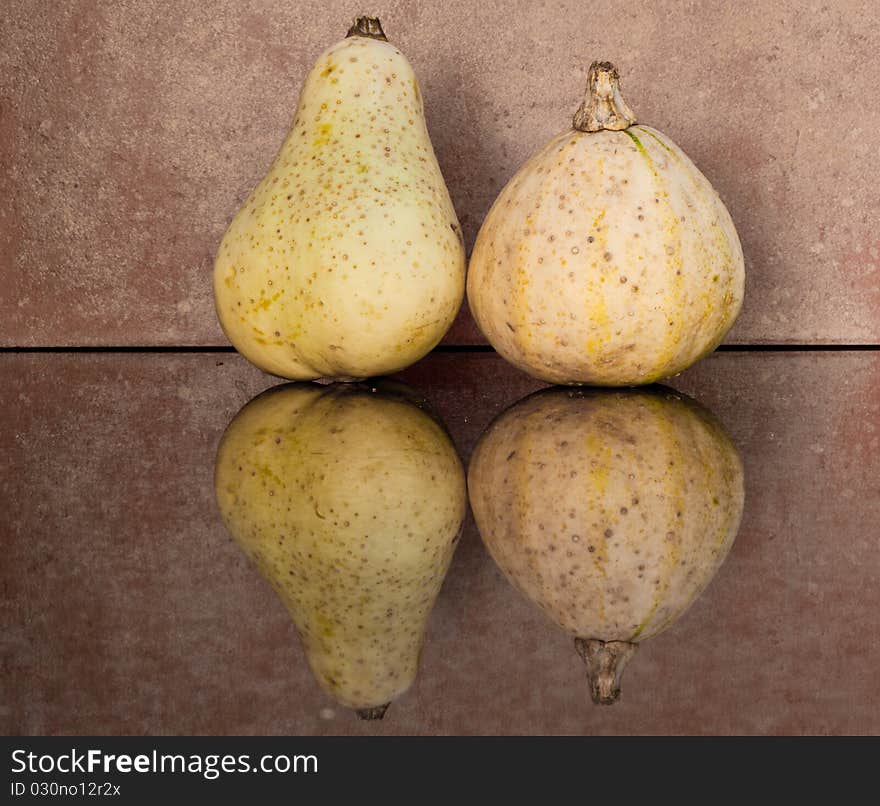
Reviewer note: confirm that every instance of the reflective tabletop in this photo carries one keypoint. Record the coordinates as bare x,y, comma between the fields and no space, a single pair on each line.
135,601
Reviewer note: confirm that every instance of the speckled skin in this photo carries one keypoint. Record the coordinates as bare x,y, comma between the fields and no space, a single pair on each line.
350,502
608,259
611,511
347,260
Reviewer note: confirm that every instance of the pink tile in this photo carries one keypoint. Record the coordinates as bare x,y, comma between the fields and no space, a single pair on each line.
127,608
129,135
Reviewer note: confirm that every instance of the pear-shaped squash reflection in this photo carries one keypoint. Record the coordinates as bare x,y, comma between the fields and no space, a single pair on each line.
349,499
610,510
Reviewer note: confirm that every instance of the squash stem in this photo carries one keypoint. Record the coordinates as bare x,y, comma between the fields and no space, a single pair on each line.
603,107
367,26
376,712
605,661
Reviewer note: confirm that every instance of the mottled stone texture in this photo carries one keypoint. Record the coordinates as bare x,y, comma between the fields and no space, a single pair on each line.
130,132
127,608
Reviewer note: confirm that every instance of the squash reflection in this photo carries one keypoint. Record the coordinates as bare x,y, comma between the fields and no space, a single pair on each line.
349,499
610,510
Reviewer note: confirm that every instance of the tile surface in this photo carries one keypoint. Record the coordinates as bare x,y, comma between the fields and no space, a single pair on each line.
128,609
130,132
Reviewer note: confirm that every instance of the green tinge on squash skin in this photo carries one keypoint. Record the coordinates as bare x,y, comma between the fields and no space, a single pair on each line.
346,261
610,510
349,500
608,259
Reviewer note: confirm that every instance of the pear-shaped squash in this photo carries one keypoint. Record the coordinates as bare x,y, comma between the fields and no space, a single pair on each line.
610,510
608,259
346,261
349,500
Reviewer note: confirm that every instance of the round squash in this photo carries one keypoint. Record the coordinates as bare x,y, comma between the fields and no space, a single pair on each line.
610,510
608,259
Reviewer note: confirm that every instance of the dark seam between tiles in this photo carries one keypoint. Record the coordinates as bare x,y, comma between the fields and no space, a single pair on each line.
443,348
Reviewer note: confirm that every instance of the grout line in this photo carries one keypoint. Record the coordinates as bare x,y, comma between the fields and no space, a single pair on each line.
795,348
442,348
121,349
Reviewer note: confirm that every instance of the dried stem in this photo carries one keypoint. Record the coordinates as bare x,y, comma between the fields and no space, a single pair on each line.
603,107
